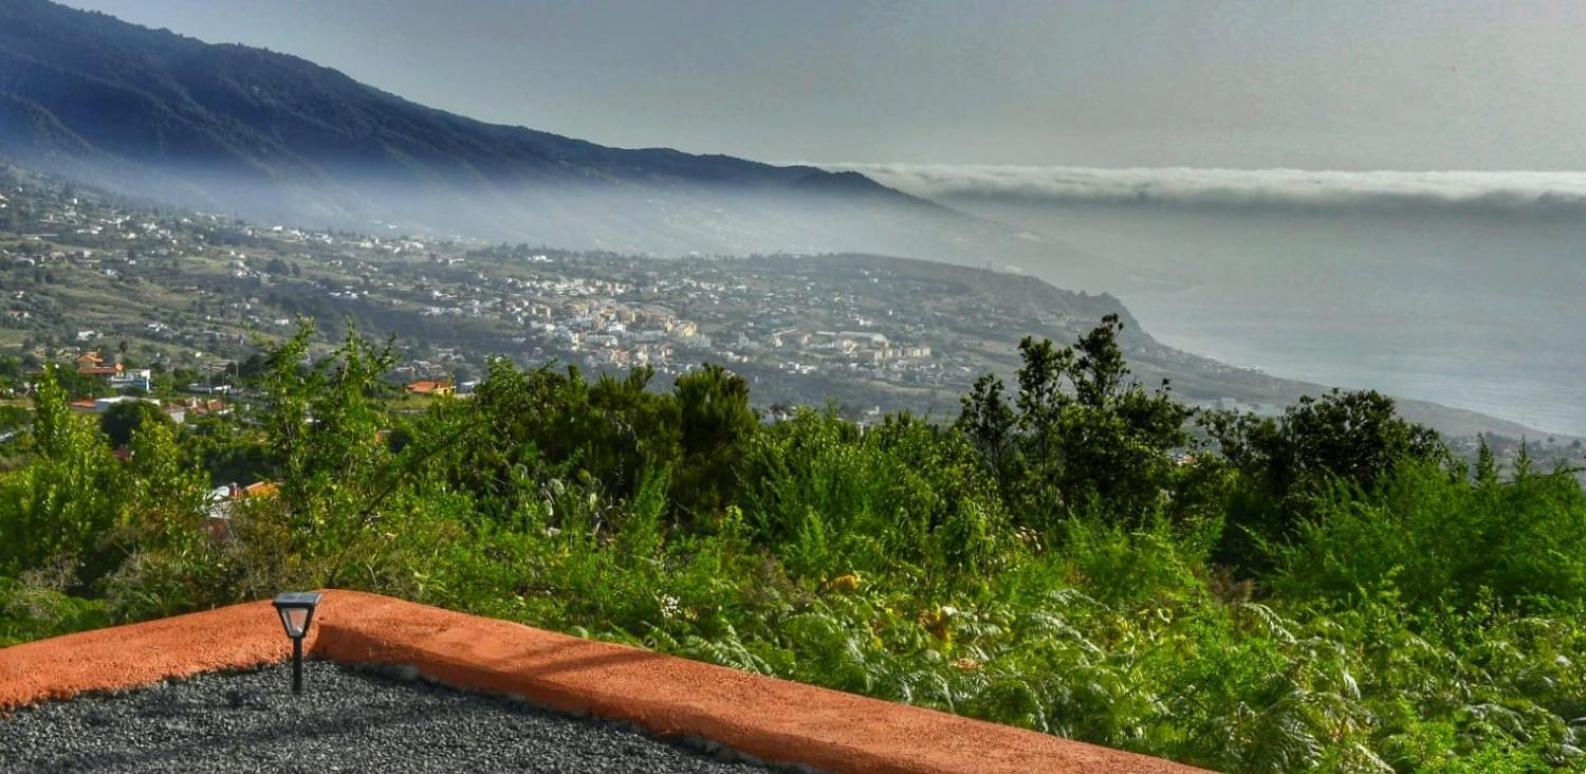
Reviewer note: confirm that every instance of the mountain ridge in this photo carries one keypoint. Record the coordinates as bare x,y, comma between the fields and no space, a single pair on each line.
277,136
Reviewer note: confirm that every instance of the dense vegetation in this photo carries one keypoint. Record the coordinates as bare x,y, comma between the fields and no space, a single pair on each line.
1077,554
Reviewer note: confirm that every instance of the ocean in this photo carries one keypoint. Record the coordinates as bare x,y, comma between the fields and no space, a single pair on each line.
1484,310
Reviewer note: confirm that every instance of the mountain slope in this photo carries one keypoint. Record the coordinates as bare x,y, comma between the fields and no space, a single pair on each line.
233,128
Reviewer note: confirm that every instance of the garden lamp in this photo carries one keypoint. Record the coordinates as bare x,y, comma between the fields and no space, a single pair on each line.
296,609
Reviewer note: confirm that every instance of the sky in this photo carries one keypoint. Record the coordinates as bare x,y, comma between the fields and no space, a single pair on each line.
1338,85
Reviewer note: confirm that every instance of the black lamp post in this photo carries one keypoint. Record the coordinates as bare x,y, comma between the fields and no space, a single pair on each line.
296,609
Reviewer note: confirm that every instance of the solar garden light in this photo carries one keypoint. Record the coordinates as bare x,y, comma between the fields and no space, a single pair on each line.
296,609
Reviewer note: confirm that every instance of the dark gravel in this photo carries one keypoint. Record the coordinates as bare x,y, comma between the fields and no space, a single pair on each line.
346,720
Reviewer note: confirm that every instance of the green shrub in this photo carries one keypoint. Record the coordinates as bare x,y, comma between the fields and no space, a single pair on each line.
1440,540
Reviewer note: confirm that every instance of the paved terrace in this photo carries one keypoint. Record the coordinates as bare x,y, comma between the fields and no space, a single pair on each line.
761,718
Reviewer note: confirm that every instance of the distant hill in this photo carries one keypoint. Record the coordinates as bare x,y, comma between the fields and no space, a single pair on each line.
185,289
230,128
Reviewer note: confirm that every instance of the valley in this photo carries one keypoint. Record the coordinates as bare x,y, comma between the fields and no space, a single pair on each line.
83,270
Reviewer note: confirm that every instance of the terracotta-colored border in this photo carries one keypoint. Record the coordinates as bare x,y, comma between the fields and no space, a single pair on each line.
773,720
237,637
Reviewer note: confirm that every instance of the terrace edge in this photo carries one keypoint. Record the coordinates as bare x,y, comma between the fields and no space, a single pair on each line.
774,720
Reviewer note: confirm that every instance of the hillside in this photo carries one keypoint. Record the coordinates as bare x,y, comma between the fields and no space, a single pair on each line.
182,290
237,129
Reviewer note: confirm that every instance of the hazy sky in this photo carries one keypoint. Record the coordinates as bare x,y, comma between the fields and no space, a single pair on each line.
1481,84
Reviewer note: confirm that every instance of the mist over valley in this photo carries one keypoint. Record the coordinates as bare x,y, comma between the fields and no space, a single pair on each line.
1460,288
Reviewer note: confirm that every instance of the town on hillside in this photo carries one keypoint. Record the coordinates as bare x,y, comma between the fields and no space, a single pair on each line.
142,302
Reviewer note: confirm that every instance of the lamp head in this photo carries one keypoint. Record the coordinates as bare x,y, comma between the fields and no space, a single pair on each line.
296,609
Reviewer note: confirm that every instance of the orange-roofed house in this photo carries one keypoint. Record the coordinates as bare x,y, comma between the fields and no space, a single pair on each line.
92,364
430,387
221,502
197,407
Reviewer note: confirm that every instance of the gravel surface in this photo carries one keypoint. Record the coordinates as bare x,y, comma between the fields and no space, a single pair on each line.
346,720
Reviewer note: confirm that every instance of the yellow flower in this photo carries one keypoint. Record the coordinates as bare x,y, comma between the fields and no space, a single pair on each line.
847,584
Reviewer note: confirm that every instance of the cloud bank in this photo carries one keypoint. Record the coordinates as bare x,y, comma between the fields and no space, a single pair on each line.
1520,191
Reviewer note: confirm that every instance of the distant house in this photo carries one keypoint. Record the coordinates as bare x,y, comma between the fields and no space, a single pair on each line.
261,489
141,378
194,408
223,500
206,407
92,364
430,387
102,405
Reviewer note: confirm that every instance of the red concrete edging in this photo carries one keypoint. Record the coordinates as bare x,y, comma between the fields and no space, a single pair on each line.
775,720
236,637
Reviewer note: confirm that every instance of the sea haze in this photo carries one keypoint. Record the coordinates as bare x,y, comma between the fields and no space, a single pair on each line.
1464,289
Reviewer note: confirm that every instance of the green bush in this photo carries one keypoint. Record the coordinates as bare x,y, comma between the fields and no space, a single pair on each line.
33,612
1442,541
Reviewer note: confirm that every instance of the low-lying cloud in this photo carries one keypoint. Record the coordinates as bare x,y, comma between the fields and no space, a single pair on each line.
1561,192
